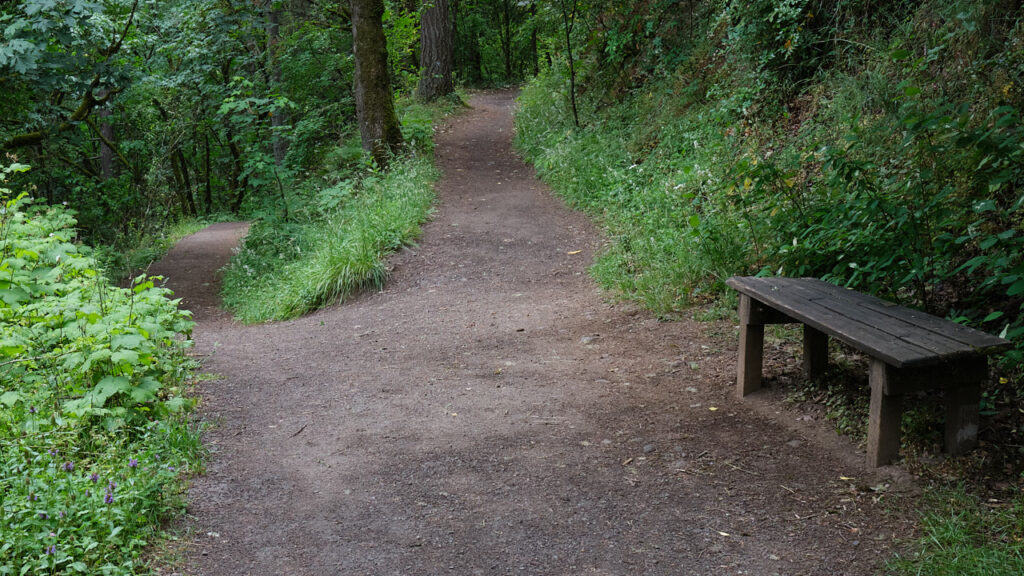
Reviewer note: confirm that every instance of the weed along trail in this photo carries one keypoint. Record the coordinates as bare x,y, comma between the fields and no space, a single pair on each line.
491,412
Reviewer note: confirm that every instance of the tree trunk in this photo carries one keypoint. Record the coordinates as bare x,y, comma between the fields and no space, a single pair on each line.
568,21
533,38
208,198
506,37
273,17
106,135
179,168
375,107
437,50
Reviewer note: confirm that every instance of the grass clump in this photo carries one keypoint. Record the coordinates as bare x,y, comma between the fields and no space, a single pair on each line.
328,260
93,434
334,230
963,536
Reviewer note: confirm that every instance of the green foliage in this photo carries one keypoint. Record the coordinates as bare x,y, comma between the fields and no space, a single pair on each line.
402,30
672,235
92,433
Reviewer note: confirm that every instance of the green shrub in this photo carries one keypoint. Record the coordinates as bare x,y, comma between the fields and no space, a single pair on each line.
92,439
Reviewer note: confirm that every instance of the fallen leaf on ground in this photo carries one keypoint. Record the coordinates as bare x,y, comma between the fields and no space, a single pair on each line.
574,252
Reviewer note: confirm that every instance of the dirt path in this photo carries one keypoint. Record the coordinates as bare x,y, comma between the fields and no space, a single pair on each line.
491,413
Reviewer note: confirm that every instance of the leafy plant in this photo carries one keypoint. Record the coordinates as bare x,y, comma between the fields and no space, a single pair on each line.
92,433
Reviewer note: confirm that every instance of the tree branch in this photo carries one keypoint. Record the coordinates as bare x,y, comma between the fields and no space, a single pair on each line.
89,101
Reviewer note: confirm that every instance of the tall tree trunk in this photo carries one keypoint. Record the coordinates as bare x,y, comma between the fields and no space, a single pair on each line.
375,107
568,22
437,49
106,135
506,37
208,196
272,13
179,167
533,38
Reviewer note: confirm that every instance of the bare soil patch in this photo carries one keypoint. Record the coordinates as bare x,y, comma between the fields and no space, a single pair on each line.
492,412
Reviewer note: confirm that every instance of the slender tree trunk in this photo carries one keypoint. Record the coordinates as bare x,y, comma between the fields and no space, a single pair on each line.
506,37
533,38
437,50
568,21
272,13
107,135
208,196
375,107
179,167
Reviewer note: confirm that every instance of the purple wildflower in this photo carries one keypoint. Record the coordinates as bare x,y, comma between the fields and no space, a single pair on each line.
53,451
32,497
94,477
53,534
133,463
170,468
44,516
88,493
61,514
31,409
69,466
112,486
51,549
109,498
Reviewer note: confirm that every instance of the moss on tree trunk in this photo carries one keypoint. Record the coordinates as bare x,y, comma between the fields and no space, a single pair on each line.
378,125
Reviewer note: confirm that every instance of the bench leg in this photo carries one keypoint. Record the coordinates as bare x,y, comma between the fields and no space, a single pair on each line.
751,352
815,352
884,417
962,418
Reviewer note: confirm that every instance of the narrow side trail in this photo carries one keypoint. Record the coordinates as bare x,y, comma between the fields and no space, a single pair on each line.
490,412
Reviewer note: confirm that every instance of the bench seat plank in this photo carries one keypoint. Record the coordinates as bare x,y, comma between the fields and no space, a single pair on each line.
950,330
900,336
937,344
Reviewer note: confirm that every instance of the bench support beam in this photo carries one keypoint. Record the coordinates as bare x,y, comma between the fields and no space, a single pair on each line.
962,418
884,416
815,353
751,351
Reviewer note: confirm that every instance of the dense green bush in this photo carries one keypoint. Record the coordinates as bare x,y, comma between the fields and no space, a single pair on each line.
92,436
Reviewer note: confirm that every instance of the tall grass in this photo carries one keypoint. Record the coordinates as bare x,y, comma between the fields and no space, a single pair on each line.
673,237
339,255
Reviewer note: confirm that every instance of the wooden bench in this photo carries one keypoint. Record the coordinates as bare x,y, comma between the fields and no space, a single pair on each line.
909,351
